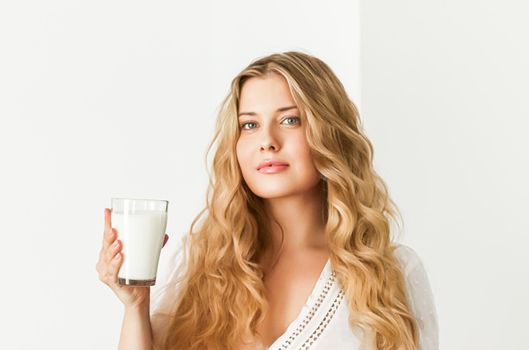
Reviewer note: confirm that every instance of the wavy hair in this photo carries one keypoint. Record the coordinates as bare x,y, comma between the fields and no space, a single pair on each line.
222,297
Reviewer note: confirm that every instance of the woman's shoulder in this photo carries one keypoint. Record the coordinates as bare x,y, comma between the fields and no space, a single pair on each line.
408,257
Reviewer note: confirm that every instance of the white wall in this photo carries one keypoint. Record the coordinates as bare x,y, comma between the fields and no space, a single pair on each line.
444,95
102,99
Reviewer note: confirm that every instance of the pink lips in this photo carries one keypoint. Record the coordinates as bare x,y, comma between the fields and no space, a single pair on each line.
272,169
272,166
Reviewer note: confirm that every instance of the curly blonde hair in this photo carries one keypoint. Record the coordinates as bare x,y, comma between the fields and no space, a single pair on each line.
221,301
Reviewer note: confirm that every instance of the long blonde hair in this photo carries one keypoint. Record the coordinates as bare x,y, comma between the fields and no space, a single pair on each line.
221,301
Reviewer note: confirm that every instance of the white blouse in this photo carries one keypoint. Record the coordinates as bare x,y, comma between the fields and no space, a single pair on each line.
323,320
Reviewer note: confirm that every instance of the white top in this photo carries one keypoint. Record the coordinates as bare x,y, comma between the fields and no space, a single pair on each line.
323,321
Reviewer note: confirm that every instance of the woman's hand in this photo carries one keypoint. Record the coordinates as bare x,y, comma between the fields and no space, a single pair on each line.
110,260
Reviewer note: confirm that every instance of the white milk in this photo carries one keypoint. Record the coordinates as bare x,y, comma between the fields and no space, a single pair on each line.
142,235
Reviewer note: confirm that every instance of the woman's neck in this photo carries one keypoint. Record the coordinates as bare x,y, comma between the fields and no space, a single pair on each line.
297,225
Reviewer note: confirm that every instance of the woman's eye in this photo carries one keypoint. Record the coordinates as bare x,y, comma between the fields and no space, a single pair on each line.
294,119
291,118
242,125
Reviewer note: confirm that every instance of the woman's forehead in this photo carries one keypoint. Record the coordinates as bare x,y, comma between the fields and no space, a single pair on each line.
265,94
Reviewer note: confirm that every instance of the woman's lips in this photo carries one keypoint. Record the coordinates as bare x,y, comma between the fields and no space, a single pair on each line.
272,169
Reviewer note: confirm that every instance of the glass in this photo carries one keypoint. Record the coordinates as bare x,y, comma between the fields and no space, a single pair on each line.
140,225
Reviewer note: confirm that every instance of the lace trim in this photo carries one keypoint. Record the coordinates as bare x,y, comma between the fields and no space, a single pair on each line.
323,324
311,313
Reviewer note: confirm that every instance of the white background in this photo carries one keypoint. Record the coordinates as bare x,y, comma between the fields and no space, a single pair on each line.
445,90
109,99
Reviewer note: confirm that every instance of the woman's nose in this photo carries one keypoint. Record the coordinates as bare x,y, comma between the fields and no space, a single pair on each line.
269,146
269,141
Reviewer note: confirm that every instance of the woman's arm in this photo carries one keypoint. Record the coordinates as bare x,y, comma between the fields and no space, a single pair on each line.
136,332
421,298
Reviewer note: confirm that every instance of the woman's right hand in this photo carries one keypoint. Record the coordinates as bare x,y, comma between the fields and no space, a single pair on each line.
110,260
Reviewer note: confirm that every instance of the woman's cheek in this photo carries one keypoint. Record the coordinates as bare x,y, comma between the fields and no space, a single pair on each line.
243,157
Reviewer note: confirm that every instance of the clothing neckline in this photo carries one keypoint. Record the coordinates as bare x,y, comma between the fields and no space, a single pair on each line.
325,274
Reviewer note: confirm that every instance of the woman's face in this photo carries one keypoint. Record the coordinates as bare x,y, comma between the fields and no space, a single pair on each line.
273,132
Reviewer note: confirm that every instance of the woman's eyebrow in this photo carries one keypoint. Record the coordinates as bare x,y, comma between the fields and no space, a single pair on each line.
282,109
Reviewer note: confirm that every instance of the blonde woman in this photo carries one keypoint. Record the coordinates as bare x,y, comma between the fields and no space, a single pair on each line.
293,248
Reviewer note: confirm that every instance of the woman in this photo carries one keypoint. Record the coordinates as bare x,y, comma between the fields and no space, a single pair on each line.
294,250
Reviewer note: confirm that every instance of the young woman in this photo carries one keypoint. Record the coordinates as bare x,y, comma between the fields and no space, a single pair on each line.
294,250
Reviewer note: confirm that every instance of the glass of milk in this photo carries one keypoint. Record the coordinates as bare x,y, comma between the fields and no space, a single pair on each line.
140,225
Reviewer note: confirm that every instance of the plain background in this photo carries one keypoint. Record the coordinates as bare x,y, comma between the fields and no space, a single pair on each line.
445,90
109,99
